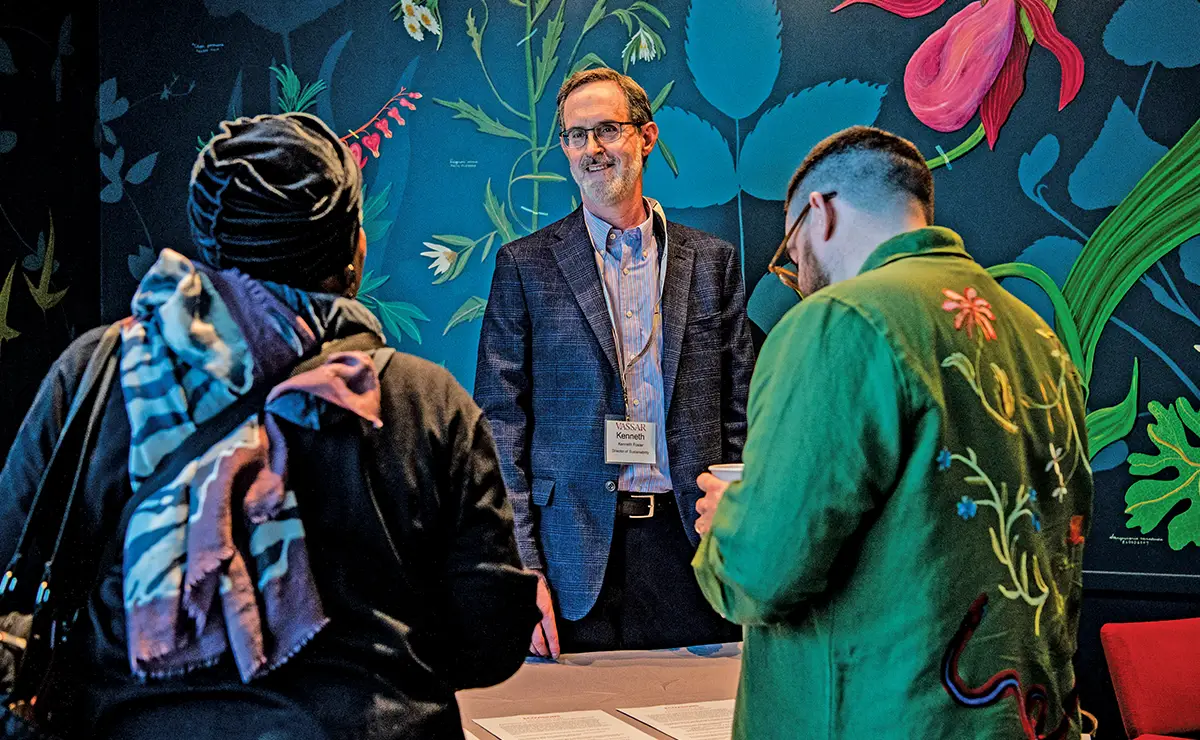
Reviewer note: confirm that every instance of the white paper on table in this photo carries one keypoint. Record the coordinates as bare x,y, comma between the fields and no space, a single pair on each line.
467,734
704,720
590,725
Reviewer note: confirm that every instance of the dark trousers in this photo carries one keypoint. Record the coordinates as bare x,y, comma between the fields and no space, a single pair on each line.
650,598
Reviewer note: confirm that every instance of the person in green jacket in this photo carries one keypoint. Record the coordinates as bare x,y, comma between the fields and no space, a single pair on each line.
904,548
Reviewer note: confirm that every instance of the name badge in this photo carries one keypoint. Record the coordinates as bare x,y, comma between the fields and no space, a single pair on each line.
629,442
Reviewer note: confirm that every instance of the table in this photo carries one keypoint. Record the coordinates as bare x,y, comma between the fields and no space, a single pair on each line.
633,678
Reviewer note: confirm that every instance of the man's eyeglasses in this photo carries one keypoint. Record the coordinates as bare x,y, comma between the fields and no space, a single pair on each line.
606,132
786,276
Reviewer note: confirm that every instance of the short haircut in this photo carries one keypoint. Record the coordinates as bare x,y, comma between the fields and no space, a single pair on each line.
635,97
867,166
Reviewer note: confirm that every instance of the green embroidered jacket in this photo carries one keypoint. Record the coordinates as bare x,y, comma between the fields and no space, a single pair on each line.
905,546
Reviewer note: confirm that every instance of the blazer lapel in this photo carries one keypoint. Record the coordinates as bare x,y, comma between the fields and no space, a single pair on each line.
680,256
577,260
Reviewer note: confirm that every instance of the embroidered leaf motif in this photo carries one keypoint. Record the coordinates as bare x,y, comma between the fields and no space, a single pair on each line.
1004,392
1150,501
959,361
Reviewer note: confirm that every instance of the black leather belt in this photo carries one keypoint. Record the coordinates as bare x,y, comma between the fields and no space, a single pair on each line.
644,505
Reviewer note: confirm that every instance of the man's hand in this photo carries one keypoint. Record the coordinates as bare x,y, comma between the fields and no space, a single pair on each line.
545,632
714,489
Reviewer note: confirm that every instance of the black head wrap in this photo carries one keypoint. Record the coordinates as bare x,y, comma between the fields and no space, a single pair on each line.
277,196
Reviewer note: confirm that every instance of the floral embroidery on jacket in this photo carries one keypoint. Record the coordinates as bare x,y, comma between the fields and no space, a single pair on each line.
973,310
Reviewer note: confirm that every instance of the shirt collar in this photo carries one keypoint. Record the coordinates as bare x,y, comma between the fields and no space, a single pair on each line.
926,241
654,222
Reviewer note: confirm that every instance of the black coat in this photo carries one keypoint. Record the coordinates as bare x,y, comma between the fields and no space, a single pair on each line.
456,612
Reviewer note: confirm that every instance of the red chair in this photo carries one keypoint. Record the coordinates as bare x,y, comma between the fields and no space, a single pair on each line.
1155,668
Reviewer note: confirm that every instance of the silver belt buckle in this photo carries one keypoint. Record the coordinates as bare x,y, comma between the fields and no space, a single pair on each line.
649,496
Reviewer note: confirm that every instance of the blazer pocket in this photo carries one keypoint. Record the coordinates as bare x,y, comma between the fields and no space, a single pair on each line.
542,490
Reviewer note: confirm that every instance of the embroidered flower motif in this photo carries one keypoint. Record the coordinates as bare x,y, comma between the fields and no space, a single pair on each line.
1032,495
967,508
944,460
1056,456
1075,533
443,257
1037,521
426,18
973,310
382,125
1058,494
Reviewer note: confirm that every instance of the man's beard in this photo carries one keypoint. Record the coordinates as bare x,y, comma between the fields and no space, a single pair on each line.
811,275
616,184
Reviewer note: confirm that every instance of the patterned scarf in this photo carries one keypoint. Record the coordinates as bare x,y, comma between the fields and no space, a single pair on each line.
199,339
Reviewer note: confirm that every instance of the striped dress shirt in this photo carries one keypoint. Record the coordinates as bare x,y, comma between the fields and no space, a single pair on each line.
628,262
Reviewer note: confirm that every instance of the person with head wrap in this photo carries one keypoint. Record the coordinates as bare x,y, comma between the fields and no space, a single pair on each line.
343,560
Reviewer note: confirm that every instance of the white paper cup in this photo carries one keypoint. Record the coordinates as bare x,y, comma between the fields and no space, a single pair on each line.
729,472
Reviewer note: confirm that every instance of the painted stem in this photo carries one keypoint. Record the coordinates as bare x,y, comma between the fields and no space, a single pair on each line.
533,125
1041,201
1142,96
1161,354
957,151
737,144
287,50
139,215
14,228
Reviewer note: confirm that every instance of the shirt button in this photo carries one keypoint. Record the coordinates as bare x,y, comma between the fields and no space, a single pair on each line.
636,402
611,236
625,270
610,486
629,314
645,254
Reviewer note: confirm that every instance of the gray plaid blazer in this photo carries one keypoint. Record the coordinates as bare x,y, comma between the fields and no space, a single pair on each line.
547,377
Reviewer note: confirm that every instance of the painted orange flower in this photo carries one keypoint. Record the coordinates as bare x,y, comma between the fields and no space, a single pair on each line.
973,310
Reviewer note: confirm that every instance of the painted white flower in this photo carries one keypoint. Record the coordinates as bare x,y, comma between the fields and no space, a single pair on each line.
428,20
413,26
443,257
642,45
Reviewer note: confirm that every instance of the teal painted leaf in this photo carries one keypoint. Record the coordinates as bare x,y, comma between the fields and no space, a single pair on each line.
111,107
470,310
705,164
6,60
768,303
733,51
587,61
785,133
324,98
1037,164
1110,457
276,17
1163,31
141,262
34,262
8,140
233,111
1055,255
1117,160
141,169
1189,259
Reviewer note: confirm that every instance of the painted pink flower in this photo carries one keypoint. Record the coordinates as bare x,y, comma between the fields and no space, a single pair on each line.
415,95
356,150
395,113
973,310
371,141
382,125
407,104
977,61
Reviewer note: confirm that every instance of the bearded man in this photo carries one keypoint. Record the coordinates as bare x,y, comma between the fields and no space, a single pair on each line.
614,365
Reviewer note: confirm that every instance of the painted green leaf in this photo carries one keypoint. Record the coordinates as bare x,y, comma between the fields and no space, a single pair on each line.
545,64
487,246
661,97
495,212
482,121
670,158
588,60
642,5
595,16
1161,212
1149,501
455,240
1107,425
457,267
1065,321
542,177
399,317
469,311
476,35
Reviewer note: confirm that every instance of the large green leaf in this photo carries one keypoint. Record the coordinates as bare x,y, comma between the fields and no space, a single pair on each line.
1107,425
1062,313
472,309
495,212
544,65
482,121
1161,212
1149,501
